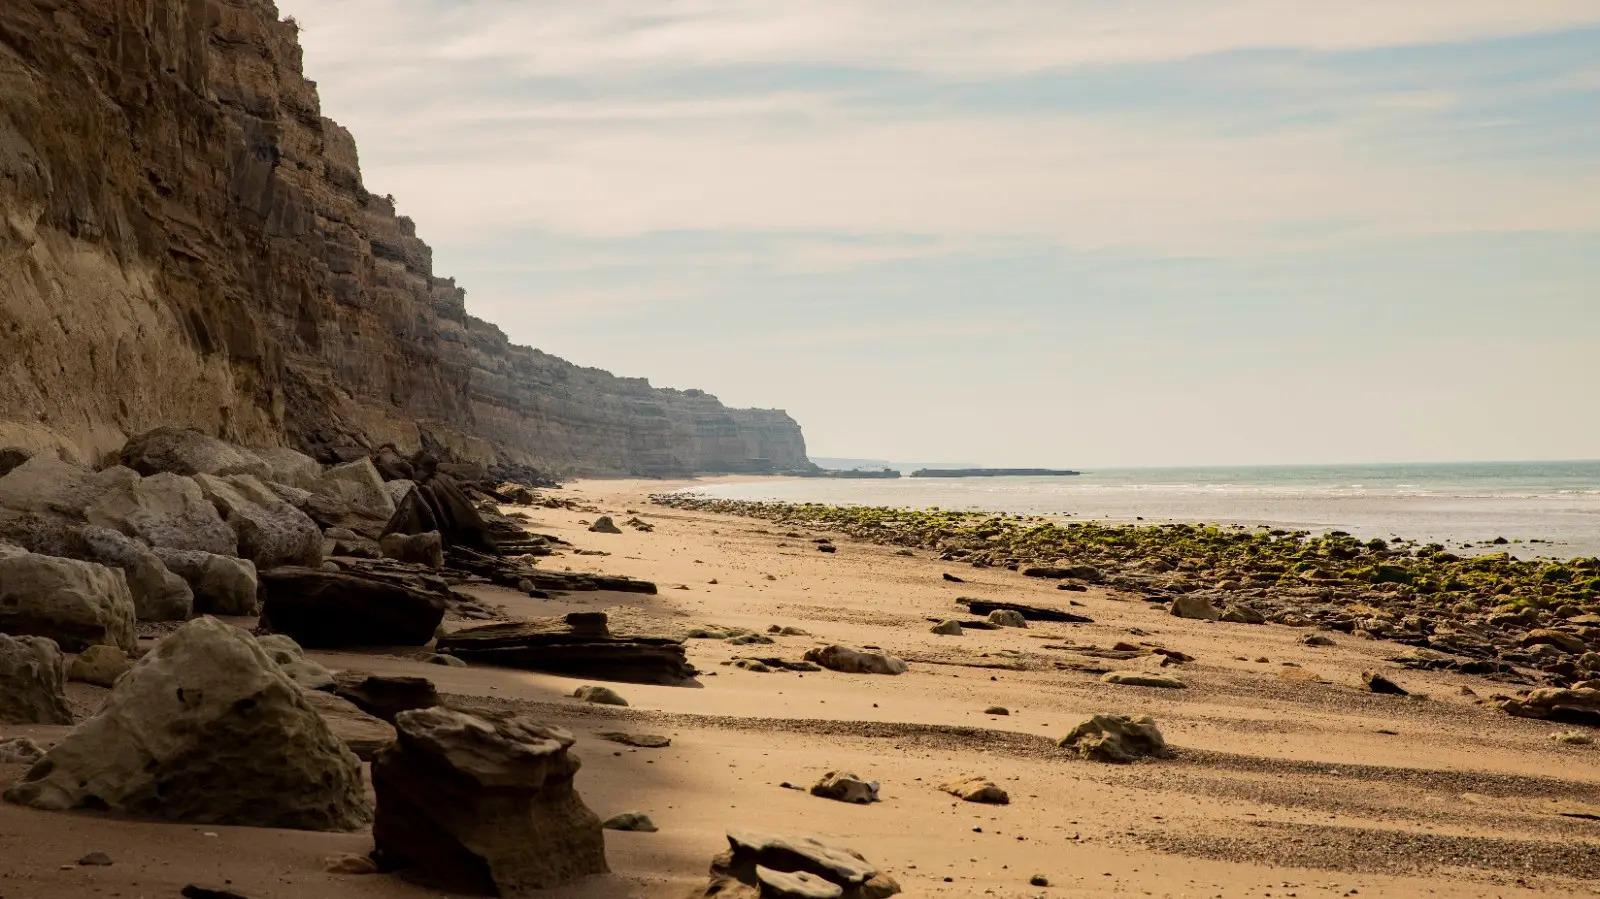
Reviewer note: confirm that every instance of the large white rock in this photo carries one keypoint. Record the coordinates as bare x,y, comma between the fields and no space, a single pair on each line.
222,585
46,484
270,531
77,604
158,594
204,729
359,484
189,452
32,675
291,467
165,510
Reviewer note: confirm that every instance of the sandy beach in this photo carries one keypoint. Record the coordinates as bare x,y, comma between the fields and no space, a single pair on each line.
1287,778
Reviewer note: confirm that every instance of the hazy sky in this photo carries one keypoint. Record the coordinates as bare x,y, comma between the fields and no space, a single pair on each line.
1065,232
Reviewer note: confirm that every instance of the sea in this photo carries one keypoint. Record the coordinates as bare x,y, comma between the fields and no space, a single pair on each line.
1544,509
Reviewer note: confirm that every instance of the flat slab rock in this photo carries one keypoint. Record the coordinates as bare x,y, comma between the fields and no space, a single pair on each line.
321,608
759,864
579,644
1032,613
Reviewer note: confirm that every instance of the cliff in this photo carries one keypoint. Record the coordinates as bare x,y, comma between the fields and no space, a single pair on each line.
186,240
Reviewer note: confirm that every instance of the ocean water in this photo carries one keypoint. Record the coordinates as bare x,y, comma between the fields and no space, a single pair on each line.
1555,504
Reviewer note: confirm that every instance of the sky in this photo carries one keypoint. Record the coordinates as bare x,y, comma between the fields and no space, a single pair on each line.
1056,233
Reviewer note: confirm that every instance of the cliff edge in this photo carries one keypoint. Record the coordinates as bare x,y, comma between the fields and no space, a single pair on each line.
186,240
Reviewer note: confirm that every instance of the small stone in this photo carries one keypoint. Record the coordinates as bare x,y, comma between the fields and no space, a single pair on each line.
349,864
977,789
642,741
949,628
845,786
637,822
599,695
1192,606
20,751
604,525
1377,683
1007,618
100,665
95,859
1572,738
445,659
1142,679
997,710
1316,640
1038,880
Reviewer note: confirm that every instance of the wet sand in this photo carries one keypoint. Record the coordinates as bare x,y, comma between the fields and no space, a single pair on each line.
1287,780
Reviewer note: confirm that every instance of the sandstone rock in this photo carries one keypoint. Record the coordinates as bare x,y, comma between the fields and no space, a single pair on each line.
845,786
222,585
339,608
483,803
204,729
599,695
350,864
268,531
636,822
358,484
384,695
1242,614
753,665
164,510
1192,606
47,485
158,593
749,869
422,549
188,452
399,489
1559,639
288,467
576,645
345,542
855,661
32,674
948,628
1316,640
99,665
76,604
1142,679
1377,683
1007,618
360,732
291,660
1117,738
641,741
976,789
20,751
604,525
1573,706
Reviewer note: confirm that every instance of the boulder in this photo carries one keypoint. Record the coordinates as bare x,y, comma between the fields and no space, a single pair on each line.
604,525
12,456
158,593
268,531
291,660
1142,679
1574,706
99,665
47,485
1116,738
845,786
341,608
362,734
399,489
1561,640
222,585
77,604
1007,618
164,510
580,644
422,549
204,729
755,862
1236,613
1029,613
358,485
1193,606
32,676
289,467
1377,683
384,695
949,628
186,451
850,660
976,789
636,822
483,803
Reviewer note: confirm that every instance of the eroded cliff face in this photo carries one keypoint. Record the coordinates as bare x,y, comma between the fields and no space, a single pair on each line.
186,240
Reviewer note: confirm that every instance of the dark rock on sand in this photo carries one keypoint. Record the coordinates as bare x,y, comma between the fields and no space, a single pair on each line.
579,645
1032,613
1377,683
322,608
384,695
1574,706
483,803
